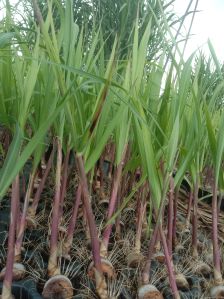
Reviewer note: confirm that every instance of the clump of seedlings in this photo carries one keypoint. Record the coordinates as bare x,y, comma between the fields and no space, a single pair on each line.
107,144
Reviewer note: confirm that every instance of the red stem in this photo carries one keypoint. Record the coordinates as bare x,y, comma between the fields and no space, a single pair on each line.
52,263
7,283
172,279
113,201
89,213
147,267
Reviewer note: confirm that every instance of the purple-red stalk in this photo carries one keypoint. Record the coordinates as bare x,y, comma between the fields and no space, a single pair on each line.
112,203
53,268
90,216
147,267
168,260
152,242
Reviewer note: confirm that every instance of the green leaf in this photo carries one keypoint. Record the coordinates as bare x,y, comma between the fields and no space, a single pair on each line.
5,38
12,159
173,144
220,147
211,135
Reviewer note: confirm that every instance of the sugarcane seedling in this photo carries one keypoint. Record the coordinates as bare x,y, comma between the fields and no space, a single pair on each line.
57,284
169,265
147,290
98,267
11,270
112,205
